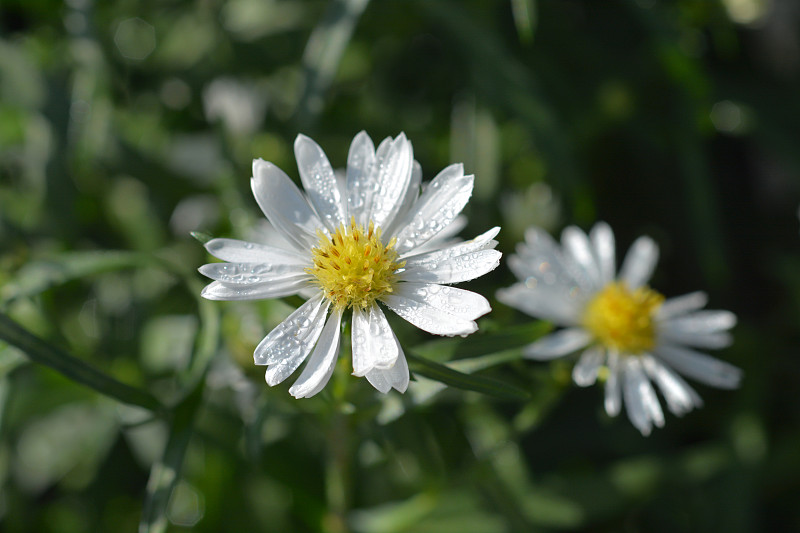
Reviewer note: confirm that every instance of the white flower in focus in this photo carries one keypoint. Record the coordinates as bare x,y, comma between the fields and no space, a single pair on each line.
352,244
628,333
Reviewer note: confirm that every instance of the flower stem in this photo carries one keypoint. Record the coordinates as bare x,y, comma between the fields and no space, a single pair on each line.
339,440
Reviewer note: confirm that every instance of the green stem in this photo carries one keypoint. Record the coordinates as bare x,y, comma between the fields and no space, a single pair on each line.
337,486
337,468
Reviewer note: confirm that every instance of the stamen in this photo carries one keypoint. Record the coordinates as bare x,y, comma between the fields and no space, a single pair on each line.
354,267
623,319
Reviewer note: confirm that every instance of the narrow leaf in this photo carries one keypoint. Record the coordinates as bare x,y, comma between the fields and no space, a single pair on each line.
207,339
525,18
39,276
165,474
324,51
39,351
201,236
482,343
454,378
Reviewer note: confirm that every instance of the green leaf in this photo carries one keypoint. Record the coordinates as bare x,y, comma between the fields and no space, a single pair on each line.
165,474
73,368
39,276
324,50
525,18
207,339
482,343
201,236
454,378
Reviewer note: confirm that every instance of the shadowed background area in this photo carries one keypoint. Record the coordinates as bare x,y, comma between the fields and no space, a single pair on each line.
127,402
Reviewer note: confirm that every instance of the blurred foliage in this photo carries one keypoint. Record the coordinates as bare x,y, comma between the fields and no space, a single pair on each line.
124,126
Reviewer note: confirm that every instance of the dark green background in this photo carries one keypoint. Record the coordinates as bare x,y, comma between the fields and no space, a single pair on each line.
676,119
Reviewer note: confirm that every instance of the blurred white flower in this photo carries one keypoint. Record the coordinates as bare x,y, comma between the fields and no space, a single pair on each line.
352,244
628,333
240,106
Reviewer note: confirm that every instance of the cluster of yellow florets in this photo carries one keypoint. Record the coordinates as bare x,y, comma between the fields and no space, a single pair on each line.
353,267
622,319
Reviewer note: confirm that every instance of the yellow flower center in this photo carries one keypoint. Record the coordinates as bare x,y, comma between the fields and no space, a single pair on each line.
353,267
623,319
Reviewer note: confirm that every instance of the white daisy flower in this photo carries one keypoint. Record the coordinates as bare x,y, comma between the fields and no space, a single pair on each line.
627,333
354,243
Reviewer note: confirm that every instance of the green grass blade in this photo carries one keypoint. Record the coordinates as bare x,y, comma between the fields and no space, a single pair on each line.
482,343
165,474
324,51
38,276
525,18
73,368
207,340
454,378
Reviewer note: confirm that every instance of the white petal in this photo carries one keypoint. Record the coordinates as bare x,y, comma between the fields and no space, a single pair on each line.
392,179
613,397
412,193
641,402
373,342
585,371
236,251
558,344
295,335
540,259
251,273
712,341
578,249
458,262
436,208
700,322
701,329
438,309
434,257
700,366
639,262
218,290
320,365
446,237
360,165
288,345
284,205
680,397
396,377
603,245
319,182
543,302
680,305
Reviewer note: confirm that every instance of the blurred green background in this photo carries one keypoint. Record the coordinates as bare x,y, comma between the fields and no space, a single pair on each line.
126,125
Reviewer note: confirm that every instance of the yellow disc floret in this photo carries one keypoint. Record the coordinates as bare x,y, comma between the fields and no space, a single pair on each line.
622,319
353,267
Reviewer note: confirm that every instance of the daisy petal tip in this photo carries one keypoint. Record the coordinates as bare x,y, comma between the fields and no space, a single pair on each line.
300,139
209,291
612,407
299,392
468,330
401,387
270,378
258,166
